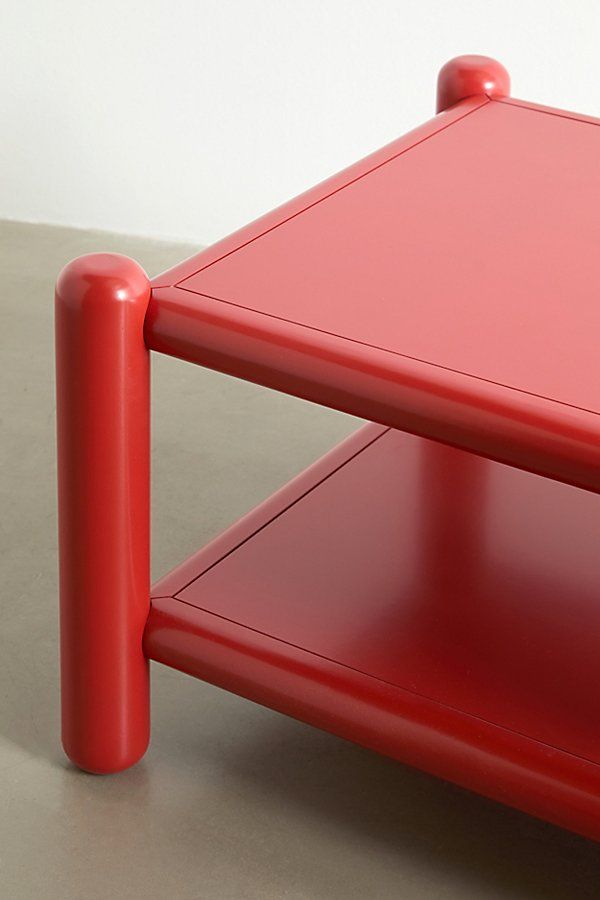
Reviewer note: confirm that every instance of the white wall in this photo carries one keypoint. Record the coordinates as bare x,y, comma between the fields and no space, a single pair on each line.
188,118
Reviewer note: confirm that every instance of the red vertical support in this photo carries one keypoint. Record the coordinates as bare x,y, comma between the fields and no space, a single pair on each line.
103,400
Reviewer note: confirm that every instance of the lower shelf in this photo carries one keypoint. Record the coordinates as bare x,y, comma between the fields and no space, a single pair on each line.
435,606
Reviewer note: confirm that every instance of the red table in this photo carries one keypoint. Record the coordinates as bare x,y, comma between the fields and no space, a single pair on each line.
430,588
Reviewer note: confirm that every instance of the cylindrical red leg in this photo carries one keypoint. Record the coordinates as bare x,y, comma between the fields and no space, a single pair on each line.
103,397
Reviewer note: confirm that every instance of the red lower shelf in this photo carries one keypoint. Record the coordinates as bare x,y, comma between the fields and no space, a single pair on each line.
430,604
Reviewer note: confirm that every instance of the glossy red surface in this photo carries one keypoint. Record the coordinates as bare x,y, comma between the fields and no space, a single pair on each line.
103,397
491,272
421,601
448,290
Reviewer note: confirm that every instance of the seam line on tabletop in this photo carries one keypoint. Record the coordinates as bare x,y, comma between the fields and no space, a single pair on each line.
417,359
280,513
342,187
392,684
571,117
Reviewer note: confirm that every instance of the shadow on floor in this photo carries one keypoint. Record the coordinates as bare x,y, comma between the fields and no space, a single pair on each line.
375,800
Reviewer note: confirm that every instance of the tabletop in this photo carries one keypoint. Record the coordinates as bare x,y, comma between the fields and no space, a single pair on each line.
466,252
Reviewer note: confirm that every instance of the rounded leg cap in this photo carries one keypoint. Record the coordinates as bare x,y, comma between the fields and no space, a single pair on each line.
102,277
469,76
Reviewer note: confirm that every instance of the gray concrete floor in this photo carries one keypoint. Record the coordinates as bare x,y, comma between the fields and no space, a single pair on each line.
232,800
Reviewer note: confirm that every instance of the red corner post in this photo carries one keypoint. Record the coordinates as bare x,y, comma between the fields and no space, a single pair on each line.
470,76
103,415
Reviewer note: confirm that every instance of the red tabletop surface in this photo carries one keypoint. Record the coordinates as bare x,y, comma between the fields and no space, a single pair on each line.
477,250
471,251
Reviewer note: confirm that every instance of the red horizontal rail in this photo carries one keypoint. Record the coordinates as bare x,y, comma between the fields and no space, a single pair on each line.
478,755
507,425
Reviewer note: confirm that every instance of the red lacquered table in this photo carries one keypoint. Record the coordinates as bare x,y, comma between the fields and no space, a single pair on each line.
431,587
